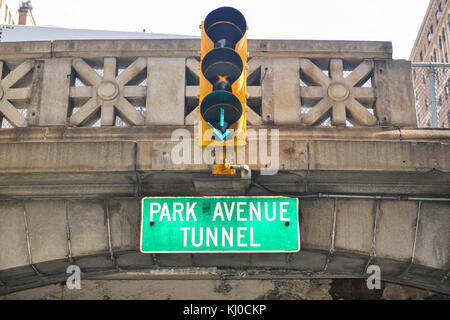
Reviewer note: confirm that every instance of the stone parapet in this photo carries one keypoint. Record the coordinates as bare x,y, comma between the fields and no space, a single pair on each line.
155,82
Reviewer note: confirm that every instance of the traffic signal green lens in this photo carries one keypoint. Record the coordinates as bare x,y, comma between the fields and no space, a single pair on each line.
221,107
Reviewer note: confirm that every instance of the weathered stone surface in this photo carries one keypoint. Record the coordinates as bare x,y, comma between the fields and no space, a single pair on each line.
88,227
13,239
390,268
125,217
354,225
221,259
174,260
218,289
20,276
165,92
151,133
263,48
346,263
54,103
315,213
308,260
56,268
47,227
396,226
96,263
378,156
270,260
395,94
26,50
66,157
433,239
286,91
293,155
134,260
425,277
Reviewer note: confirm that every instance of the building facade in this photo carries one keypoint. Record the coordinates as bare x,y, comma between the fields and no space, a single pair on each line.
15,12
433,45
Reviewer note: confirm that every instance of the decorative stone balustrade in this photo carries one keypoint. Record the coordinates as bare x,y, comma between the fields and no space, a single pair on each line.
155,82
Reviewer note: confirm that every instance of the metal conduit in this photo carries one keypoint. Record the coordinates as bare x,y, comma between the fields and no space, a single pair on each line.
353,196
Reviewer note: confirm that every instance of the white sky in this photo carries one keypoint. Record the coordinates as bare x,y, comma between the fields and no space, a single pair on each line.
381,20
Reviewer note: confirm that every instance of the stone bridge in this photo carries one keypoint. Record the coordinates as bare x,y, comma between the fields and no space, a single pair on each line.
87,132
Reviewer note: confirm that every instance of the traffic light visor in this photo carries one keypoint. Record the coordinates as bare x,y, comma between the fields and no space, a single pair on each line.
225,26
222,64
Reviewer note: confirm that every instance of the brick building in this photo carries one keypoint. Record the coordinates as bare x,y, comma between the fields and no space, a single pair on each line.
433,45
15,12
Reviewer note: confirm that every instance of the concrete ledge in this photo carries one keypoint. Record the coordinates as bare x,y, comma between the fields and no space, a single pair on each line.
128,168
66,157
166,183
320,49
105,156
126,48
25,50
257,48
163,133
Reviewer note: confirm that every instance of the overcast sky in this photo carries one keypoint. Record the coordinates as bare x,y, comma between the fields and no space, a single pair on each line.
381,20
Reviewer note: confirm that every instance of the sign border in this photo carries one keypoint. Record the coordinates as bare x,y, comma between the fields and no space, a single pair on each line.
215,197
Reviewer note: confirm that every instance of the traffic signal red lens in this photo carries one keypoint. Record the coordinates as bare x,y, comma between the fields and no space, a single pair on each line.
225,26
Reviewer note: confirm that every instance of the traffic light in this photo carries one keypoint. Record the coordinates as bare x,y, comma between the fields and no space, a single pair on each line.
223,79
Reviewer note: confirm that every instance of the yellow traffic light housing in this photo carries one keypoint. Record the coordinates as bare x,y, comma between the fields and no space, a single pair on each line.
223,80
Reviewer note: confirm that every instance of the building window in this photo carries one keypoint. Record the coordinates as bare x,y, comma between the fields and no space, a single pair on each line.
434,55
448,118
438,13
447,89
443,35
431,33
421,56
440,42
427,104
446,57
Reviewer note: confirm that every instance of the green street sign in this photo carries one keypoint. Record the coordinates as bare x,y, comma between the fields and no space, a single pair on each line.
219,224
